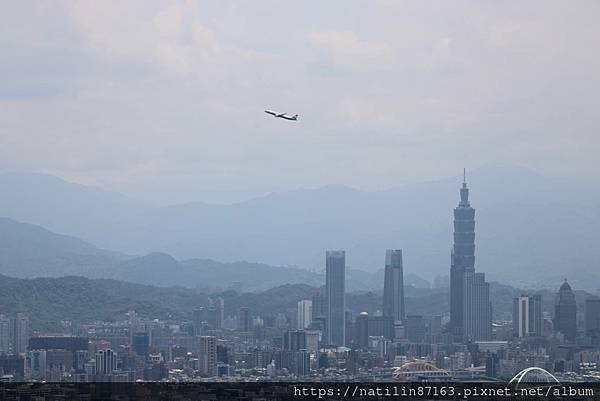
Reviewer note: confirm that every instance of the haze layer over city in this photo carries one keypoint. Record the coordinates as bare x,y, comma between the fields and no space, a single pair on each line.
434,173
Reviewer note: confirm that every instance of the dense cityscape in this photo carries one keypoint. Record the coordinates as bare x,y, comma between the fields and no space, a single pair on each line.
322,340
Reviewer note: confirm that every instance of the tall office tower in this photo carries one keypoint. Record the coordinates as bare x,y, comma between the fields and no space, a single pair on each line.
393,285
304,313
462,257
5,340
294,340
140,344
106,362
592,319
477,309
527,316
208,356
20,334
244,319
302,363
335,286
565,313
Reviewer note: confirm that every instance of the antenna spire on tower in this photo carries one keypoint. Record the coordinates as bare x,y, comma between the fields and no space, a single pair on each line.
464,175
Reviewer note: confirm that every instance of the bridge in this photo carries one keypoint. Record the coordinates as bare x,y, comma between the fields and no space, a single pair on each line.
534,375
418,369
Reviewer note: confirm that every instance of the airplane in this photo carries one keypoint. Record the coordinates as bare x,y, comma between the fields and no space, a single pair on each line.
282,115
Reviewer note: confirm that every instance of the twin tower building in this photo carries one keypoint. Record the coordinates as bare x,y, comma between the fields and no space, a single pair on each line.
470,307
393,293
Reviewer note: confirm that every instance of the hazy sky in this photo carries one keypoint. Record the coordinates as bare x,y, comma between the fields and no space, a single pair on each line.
164,99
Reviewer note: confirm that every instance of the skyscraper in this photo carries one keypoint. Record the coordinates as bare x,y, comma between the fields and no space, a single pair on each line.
462,257
393,286
477,309
304,313
527,316
106,362
140,344
319,311
592,319
208,356
335,286
294,340
244,319
565,313
20,334
5,340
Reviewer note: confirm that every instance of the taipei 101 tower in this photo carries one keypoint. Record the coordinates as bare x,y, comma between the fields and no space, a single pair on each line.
462,258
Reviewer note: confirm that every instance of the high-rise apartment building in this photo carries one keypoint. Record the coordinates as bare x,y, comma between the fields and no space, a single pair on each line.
304,314
20,334
5,338
207,356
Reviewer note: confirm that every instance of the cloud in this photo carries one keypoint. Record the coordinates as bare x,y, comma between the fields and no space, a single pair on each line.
346,43
140,95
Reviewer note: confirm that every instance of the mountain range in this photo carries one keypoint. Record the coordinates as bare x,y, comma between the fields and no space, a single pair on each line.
531,230
29,251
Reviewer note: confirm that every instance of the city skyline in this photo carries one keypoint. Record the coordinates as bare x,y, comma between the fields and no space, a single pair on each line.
225,199
315,336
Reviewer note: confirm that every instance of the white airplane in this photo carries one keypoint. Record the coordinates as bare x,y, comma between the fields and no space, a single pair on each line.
282,115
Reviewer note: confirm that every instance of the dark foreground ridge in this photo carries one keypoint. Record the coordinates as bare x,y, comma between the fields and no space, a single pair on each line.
298,391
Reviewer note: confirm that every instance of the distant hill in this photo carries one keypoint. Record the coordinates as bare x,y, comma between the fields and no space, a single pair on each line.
47,301
163,270
32,251
528,226
60,206
28,251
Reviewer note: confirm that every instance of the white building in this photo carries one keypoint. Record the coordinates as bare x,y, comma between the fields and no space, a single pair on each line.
304,314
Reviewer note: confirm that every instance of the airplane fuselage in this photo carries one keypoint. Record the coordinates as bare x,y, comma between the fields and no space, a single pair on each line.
282,115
